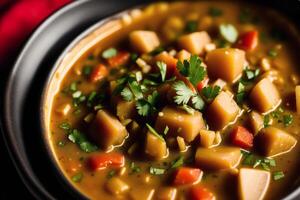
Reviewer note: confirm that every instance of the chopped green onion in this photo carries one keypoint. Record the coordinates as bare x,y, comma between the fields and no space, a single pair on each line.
278,175
156,171
109,53
77,177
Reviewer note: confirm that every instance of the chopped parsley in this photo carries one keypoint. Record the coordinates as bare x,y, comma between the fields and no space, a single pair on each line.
192,69
65,126
215,12
111,173
278,175
80,139
156,171
267,121
146,107
87,70
163,70
287,120
166,130
73,86
211,92
134,168
178,162
77,177
272,53
127,94
191,26
228,32
109,53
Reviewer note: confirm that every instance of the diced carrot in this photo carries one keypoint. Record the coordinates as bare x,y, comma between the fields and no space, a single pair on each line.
170,61
120,59
104,160
202,83
200,193
248,41
184,79
187,175
98,73
242,137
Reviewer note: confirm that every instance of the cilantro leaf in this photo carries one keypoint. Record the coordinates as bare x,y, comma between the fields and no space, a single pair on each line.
211,92
143,107
163,70
287,120
198,102
136,89
228,32
153,98
188,109
156,171
183,93
192,69
80,139
127,94
177,162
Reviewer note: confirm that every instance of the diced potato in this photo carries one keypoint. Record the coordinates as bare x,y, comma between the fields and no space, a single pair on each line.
107,130
180,123
166,58
253,183
181,143
218,157
183,55
222,111
256,122
141,193
194,42
63,109
116,186
218,139
125,109
166,193
156,148
225,63
144,41
265,96
207,138
273,141
297,93
209,47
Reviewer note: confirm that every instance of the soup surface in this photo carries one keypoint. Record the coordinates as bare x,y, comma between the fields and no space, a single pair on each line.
187,101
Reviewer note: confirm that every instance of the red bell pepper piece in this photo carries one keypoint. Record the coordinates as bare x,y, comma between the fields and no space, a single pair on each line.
242,137
200,193
187,175
98,73
202,83
103,160
248,41
121,58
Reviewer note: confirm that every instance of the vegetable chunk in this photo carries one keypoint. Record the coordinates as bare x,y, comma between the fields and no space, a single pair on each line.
297,92
103,160
200,193
194,42
107,131
207,138
222,111
273,141
256,122
265,96
166,193
156,147
225,63
116,186
125,109
186,175
180,123
144,41
218,157
253,183
241,137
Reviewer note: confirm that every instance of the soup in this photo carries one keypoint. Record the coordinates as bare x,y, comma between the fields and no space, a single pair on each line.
183,101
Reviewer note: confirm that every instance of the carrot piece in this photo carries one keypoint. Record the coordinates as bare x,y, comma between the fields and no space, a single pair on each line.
187,175
103,160
170,61
120,59
202,83
242,137
200,193
98,73
248,41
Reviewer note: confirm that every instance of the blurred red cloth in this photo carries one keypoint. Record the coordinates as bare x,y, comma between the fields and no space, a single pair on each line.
19,20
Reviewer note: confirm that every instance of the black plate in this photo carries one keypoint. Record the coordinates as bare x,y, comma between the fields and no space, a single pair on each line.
24,89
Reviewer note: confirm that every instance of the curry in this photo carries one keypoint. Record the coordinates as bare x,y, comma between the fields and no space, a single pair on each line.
187,101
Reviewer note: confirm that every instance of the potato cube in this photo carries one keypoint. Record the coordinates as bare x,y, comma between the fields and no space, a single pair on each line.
222,111
225,63
125,109
183,55
155,147
106,130
253,183
256,122
218,157
265,96
116,186
273,141
207,138
297,93
194,42
180,123
144,41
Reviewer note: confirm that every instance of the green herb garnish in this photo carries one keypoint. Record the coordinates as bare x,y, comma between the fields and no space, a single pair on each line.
191,26
163,70
87,70
111,173
134,168
109,53
228,32
211,92
278,175
77,177
80,139
272,53
215,12
156,171
65,126
287,120
178,162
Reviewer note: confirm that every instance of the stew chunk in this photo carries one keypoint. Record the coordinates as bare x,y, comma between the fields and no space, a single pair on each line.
225,63
273,141
222,111
180,123
265,96
144,41
107,130
194,42
253,183
155,147
218,157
